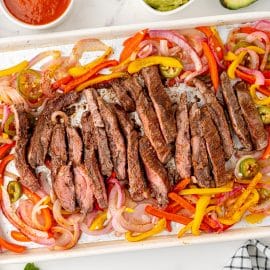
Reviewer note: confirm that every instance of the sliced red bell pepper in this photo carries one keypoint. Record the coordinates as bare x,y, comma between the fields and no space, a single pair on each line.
181,185
5,149
250,30
131,44
79,80
264,90
213,68
266,153
244,76
18,236
12,247
266,74
3,165
60,83
172,208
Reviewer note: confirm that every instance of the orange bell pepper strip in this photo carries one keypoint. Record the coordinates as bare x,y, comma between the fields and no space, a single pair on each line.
131,44
213,68
266,153
18,236
3,166
80,80
181,201
181,185
11,247
46,213
171,208
60,83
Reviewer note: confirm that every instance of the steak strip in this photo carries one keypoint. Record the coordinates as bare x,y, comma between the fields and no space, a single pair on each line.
27,176
182,144
155,171
254,123
214,147
200,163
162,103
218,116
233,107
40,140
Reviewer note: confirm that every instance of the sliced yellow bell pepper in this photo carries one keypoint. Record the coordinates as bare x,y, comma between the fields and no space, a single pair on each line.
185,229
138,64
122,66
159,227
101,78
205,191
255,218
258,101
80,70
230,56
201,206
14,69
236,62
256,49
98,223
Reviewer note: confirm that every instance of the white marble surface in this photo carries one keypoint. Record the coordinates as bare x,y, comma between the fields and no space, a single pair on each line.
97,13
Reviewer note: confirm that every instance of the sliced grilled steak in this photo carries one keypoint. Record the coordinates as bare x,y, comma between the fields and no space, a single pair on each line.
200,163
83,189
75,145
214,147
182,145
115,137
125,100
156,173
133,87
64,188
27,176
90,161
254,123
58,149
135,172
236,117
40,140
162,103
99,133
218,116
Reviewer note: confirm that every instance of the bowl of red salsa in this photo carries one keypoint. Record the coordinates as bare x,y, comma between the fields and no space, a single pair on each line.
36,14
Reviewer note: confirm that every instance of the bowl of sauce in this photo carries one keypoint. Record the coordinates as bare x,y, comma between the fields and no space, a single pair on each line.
36,14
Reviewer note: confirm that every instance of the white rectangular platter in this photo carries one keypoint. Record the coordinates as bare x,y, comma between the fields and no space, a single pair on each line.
19,46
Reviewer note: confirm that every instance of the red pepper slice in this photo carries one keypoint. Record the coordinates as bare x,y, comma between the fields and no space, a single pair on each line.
3,166
60,83
266,74
5,149
181,185
131,44
18,236
12,247
79,80
244,76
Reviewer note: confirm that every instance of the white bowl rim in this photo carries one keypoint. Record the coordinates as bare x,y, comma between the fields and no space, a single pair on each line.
18,22
166,13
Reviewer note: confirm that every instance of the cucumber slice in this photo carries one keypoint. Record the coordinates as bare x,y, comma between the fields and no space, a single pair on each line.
236,4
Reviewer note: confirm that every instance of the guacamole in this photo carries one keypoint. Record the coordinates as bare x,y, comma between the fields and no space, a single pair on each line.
165,5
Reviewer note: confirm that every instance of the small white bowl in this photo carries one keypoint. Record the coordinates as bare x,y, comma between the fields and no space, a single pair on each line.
165,13
54,23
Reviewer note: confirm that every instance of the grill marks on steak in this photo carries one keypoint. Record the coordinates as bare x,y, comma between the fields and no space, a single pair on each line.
115,138
155,171
200,163
214,147
134,169
254,123
41,137
182,144
27,176
99,133
235,113
149,120
162,103
218,116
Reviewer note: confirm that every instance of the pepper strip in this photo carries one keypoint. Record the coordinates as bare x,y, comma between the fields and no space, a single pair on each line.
98,223
159,227
266,153
181,201
80,80
3,166
185,229
12,247
182,185
201,206
18,236
5,149
205,191
61,82
101,78
15,69
213,68
257,101
236,62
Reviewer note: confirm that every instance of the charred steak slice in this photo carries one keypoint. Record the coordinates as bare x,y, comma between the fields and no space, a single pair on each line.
125,100
218,117
214,147
27,176
135,172
155,171
75,145
64,188
58,149
90,161
162,103
115,137
200,163
99,133
236,117
83,189
254,123
182,145
40,140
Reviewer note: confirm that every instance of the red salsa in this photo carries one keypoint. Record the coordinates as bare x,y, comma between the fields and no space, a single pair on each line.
37,12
